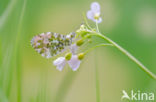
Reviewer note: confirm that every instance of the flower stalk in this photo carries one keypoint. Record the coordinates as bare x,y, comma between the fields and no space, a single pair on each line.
129,55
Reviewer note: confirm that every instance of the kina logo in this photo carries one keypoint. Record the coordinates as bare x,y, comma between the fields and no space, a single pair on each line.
137,95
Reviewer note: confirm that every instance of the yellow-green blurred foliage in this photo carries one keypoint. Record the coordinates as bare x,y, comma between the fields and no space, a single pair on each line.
25,76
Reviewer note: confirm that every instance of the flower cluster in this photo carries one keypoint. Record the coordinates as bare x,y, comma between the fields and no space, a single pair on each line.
72,57
50,44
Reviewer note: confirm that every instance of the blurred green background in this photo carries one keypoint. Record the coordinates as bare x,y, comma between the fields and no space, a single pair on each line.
27,77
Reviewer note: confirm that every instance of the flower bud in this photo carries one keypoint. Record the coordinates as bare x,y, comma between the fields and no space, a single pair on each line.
80,56
79,42
88,36
68,56
82,26
82,33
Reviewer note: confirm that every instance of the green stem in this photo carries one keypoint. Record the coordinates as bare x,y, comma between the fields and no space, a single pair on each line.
97,46
18,57
130,56
97,27
97,79
85,20
7,13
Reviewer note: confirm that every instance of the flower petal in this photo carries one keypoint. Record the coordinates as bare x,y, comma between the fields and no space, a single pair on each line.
98,21
60,67
90,15
60,63
74,62
95,7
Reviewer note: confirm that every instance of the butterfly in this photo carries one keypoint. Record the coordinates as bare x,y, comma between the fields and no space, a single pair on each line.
50,44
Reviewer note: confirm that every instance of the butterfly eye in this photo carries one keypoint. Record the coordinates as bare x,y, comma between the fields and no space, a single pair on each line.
50,44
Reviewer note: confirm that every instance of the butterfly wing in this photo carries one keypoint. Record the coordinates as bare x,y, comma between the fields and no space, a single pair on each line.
50,44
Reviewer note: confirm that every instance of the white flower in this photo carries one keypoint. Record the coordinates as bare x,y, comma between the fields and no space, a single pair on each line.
94,13
71,58
74,62
60,63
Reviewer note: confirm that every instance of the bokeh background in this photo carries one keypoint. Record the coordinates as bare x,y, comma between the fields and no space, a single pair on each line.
25,76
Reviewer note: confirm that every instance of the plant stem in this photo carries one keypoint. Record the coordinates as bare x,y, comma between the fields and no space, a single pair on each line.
97,27
85,20
97,79
7,13
130,56
18,56
105,44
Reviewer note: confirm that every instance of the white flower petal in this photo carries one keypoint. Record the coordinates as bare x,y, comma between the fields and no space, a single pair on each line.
73,49
74,62
60,63
98,21
90,15
60,67
95,7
